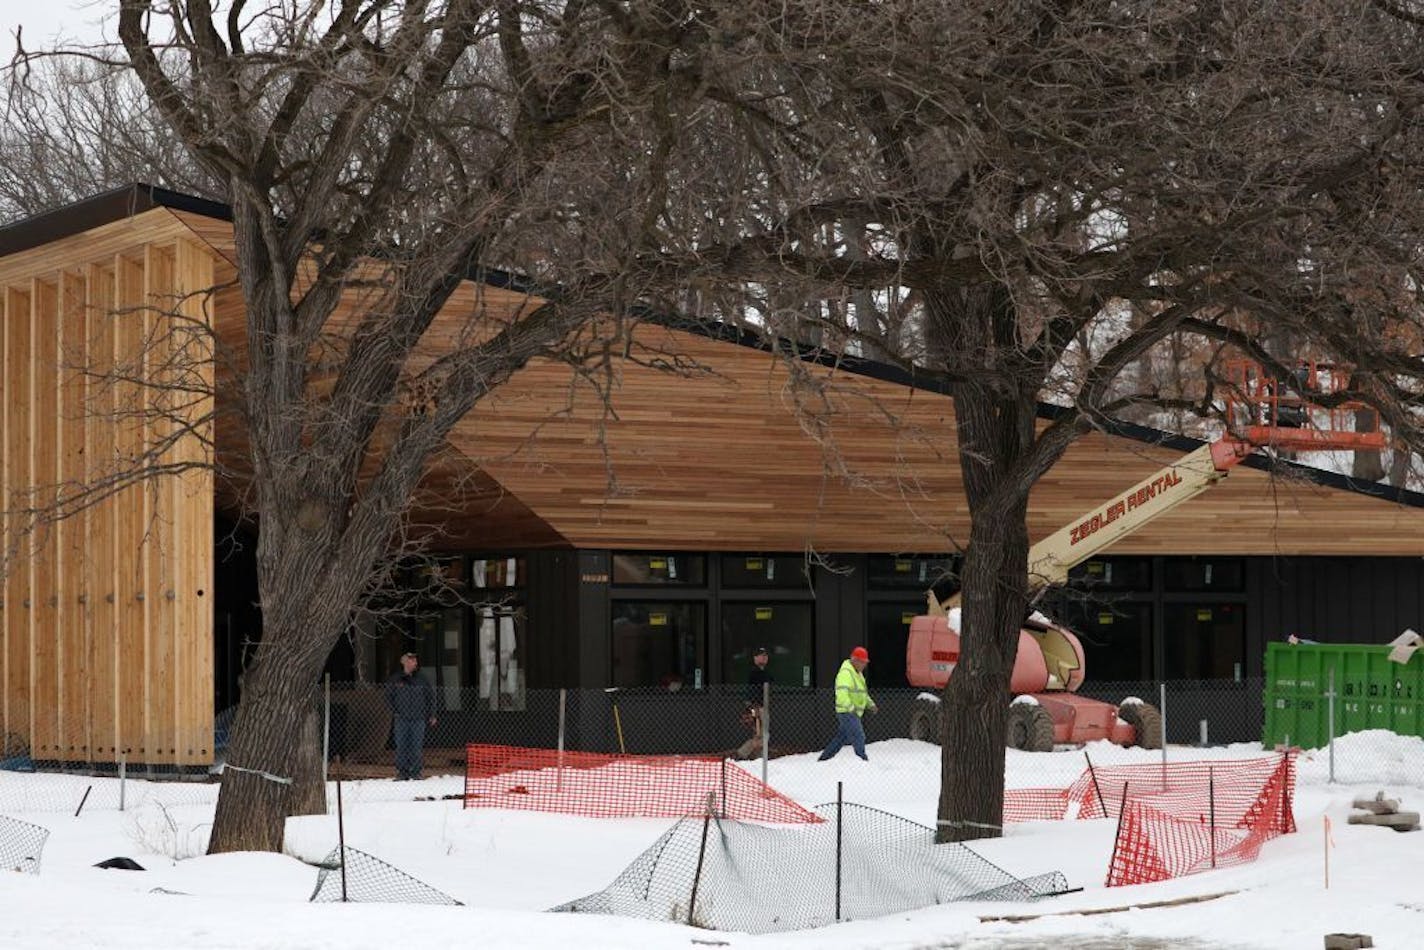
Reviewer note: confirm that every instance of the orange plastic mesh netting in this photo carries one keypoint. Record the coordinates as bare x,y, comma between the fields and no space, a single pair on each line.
1176,818
620,786
1154,844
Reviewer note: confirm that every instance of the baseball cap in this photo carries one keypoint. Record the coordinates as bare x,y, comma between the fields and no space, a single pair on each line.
760,650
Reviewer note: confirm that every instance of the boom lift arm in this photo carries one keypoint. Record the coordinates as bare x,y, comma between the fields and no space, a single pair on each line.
1050,560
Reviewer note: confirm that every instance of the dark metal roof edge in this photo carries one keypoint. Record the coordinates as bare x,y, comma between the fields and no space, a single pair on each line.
139,197
1261,463
104,208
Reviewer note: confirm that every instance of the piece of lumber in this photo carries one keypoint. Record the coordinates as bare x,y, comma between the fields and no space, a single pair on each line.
1090,911
1378,805
1347,941
1399,821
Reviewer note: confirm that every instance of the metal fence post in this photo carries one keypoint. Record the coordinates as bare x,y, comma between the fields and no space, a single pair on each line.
1162,708
1211,805
341,837
1330,707
559,773
325,727
1096,787
701,854
765,730
724,786
840,835
1117,838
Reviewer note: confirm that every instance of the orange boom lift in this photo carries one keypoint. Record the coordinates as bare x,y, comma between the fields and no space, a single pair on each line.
1050,665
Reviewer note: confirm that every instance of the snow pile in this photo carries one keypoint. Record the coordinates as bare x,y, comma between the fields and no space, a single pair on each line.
507,867
1375,756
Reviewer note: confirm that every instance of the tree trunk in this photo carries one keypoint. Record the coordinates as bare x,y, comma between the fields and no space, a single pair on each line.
257,785
274,760
975,701
1367,464
308,789
995,420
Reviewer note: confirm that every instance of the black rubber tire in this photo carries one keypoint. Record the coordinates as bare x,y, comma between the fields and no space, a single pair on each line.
1146,721
924,721
1030,728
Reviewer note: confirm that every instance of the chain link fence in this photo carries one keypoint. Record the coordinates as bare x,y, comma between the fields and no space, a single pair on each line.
358,737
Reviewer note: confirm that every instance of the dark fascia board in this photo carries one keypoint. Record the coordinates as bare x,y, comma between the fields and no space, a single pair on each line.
105,208
1261,463
137,198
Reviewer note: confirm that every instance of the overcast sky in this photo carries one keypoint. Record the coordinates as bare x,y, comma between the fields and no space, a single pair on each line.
73,21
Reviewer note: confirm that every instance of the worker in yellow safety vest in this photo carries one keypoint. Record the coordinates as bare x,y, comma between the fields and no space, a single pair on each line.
852,700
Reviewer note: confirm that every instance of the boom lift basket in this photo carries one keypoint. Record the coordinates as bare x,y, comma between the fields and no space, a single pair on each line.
1265,410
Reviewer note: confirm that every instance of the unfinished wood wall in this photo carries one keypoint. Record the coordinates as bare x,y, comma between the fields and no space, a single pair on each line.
106,643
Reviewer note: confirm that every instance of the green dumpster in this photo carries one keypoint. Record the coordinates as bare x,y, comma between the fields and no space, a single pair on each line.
1370,692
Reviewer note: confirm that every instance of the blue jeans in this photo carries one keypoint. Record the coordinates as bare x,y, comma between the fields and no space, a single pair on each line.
410,736
848,729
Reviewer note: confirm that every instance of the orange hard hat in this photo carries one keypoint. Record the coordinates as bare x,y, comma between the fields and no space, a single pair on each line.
860,653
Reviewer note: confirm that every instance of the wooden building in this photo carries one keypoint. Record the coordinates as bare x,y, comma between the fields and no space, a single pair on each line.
657,554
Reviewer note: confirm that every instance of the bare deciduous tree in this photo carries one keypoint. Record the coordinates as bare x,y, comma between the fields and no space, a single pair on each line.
1027,199
72,127
384,151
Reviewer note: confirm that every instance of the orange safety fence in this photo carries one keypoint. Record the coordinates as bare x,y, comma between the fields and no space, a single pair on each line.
1154,845
1035,804
621,786
1175,818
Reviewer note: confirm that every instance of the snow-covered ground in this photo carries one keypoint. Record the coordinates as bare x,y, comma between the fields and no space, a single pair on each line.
507,866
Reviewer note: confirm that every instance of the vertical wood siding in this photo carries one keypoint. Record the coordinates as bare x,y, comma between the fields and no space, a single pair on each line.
106,640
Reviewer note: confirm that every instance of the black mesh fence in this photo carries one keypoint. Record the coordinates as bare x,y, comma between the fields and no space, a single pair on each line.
368,879
717,720
857,863
21,845
356,729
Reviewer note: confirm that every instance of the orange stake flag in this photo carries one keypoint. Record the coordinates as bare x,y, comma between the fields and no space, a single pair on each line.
1329,843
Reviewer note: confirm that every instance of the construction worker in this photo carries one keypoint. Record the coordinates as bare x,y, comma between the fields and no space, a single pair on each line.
852,701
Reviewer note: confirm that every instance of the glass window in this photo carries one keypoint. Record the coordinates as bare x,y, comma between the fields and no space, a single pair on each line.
917,573
659,643
499,660
496,655
685,569
1116,638
1113,573
885,639
787,630
1223,573
764,570
1204,641
495,572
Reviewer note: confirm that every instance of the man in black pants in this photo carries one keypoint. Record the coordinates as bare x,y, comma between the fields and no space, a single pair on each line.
751,716
412,701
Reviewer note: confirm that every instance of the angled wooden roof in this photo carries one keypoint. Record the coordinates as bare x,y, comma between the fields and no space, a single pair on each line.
732,456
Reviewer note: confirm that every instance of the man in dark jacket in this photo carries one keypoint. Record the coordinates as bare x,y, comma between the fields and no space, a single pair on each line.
412,701
758,677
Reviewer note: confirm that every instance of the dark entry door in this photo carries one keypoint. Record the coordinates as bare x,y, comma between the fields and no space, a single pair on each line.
1203,641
